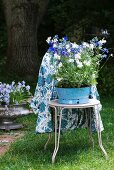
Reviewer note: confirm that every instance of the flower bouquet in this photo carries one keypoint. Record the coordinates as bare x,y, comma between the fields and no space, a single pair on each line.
76,65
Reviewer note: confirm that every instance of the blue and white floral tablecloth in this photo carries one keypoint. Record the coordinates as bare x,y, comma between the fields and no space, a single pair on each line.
45,91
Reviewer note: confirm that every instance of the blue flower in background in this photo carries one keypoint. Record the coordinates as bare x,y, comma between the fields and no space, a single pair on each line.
14,93
65,38
105,50
103,56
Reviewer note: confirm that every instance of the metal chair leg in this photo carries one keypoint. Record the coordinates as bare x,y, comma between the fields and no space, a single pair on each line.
57,136
49,138
97,114
91,140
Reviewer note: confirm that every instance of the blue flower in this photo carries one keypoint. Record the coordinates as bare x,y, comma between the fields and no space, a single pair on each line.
105,50
65,38
14,93
64,52
51,49
73,50
28,88
103,56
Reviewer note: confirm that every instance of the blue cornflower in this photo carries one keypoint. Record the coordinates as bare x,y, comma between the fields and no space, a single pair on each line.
27,87
105,50
51,49
64,52
65,38
73,50
103,56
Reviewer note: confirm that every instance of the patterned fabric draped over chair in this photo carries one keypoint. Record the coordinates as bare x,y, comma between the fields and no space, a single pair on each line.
45,91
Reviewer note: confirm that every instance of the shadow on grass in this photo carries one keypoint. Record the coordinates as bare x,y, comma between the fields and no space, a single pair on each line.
31,147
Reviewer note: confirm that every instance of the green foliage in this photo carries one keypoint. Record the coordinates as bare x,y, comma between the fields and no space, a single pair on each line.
72,76
106,80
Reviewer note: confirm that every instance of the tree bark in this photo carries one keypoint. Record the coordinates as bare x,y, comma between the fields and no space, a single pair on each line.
23,18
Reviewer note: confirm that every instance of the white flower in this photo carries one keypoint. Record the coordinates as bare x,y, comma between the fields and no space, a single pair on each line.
102,41
104,32
60,65
71,60
91,46
93,76
67,46
87,63
54,45
77,56
48,39
79,65
55,40
13,82
69,50
59,79
7,86
85,44
74,45
56,56
28,88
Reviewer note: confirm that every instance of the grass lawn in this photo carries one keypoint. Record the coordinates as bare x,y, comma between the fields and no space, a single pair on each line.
75,152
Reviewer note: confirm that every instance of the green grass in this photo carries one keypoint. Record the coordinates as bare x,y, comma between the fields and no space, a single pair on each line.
75,152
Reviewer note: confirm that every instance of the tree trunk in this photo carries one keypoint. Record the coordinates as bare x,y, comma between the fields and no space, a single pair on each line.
22,18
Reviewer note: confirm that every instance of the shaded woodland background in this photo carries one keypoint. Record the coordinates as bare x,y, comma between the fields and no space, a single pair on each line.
26,24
